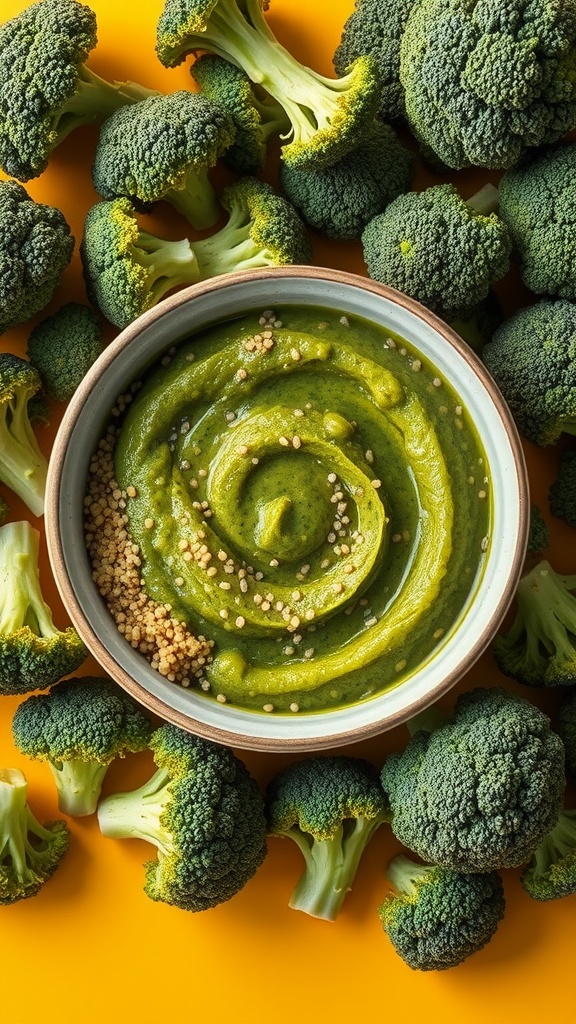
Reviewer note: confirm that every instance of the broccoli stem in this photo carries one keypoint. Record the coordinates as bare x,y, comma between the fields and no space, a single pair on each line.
24,466
331,866
137,815
21,601
559,843
169,263
196,199
547,612
485,201
78,784
94,100
16,824
404,873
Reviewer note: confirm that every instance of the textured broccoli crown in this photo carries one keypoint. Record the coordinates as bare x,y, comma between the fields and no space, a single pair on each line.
481,792
376,27
35,247
162,148
539,536
437,248
63,347
79,727
330,807
532,358
338,201
127,270
539,649
562,494
551,874
565,726
438,917
29,852
263,230
256,116
537,204
23,467
33,652
483,81
326,115
203,811
478,325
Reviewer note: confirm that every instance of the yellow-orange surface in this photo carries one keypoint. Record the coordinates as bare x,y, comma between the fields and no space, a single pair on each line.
92,948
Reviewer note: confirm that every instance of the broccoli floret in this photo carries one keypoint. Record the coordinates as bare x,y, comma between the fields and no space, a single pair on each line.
45,89
63,347
29,852
551,874
484,81
338,201
79,728
23,466
532,358
376,27
35,247
203,811
439,917
539,536
330,807
478,325
539,649
537,204
34,653
562,495
439,249
4,509
326,115
39,410
128,270
565,726
163,148
481,792
255,115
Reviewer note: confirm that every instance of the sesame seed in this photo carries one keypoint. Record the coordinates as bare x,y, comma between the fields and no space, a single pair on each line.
148,524
240,621
416,365
338,588
242,449
296,442
296,595
294,707
376,484
371,621
369,456
223,613
220,698
481,494
438,633
308,653
241,374
295,354
131,491
274,562
298,412
179,581
224,585
288,650
230,416
437,382
268,707
400,665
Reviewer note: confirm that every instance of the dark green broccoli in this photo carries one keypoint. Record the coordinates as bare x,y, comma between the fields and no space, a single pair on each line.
478,325
439,917
4,509
79,727
539,649
63,347
23,466
45,89
551,874
484,81
481,792
439,249
330,807
29,852
539,536
128,270
34,653
376,27
163,148
565,726
256,116
532,358
537,204
338,201
35,247
562,495
326,115
205,814
39,410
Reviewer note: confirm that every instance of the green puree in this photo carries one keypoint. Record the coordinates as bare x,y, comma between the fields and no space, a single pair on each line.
319,505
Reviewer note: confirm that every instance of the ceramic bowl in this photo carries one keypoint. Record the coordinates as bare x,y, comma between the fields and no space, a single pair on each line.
140,345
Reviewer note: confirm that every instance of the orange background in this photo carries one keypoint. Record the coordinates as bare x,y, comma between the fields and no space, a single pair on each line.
91,947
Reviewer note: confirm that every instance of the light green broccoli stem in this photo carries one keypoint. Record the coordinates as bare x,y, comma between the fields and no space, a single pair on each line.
137,815
485,201
23,467
546,613
559,843
94,101
331,866
169,264
21,601
231,248
196,199
78,784
17,823
405,874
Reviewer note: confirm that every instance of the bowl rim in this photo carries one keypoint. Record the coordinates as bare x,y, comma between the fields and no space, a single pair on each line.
56,547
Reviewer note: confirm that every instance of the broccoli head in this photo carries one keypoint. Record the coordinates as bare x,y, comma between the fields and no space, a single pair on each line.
539,535
23,466
326,115
163,148
34,653
484,81
29,852
532,358
480,792
45,89
565,726
203,811
330,807
439,249
438,917
79,728
63,347
478,325
338,201
551,874
562,495
35,248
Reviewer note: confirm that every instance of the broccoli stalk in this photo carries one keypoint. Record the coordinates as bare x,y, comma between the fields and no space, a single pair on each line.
29,852
139,814
23,467
94,100
551,874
